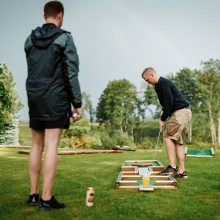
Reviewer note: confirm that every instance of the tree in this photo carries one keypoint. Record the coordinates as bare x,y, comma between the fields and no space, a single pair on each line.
210,81
117,106
201,88
10,102
87,106
187,82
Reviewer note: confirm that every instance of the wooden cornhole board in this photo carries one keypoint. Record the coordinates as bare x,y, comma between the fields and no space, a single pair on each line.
74,152
132,165
130,178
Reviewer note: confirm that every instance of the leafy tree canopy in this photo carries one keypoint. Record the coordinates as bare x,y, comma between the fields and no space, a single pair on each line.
10,102
118,104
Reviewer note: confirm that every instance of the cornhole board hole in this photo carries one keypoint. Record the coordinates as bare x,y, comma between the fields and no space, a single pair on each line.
199,153
130,177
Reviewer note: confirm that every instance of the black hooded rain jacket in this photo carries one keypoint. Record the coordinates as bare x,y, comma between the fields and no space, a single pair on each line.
52,83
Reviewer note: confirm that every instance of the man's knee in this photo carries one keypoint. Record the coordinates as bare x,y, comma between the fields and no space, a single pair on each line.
37,138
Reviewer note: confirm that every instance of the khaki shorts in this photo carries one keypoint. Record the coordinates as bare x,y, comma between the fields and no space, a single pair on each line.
178,125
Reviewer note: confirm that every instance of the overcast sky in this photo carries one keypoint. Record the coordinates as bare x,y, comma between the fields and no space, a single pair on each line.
117,39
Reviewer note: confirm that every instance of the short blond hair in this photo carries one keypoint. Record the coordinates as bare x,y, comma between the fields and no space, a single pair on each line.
147,70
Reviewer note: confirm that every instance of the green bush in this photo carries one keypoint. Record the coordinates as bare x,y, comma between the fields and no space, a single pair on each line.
117,138
80,135
93,141
65,142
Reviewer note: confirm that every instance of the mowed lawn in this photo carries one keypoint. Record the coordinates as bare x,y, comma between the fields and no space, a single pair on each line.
196,198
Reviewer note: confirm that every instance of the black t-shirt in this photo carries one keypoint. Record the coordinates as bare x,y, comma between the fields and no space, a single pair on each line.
170,97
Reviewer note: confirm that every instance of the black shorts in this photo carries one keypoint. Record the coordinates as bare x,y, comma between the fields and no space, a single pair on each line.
63,122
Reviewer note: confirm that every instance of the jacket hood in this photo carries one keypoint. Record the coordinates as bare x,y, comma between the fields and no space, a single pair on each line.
43,36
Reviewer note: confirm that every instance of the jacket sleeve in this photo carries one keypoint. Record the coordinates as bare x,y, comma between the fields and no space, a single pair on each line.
71,69
27,45
167,102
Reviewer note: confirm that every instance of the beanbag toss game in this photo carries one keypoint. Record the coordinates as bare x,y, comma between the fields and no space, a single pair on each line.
133,172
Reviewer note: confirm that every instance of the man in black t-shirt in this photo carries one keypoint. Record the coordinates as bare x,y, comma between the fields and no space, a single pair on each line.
176,107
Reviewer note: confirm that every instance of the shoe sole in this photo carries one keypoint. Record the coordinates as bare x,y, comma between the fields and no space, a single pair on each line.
166,174
43,209
185,177
33,204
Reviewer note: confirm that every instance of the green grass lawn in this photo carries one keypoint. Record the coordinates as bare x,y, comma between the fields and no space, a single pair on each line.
24,134
196,198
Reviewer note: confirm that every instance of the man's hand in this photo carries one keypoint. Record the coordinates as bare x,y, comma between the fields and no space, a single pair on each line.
161,123
77,113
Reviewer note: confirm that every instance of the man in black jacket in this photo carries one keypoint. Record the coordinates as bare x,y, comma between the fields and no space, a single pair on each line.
177,108
52,87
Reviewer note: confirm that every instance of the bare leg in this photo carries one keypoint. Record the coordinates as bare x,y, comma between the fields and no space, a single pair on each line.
35,159
52,138
180,153
171,151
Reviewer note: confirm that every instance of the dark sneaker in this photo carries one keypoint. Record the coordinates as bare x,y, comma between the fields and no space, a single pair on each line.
181,175
50,204
33,200
168,171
